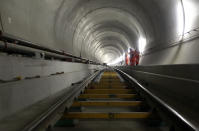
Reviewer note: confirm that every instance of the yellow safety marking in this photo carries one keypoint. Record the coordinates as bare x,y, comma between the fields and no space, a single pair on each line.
18,78
106,103
111,83
113,73
109,75
108,91
95,115
94,96
109,78
107,85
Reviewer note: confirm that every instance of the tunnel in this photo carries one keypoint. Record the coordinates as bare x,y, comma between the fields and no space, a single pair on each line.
54,52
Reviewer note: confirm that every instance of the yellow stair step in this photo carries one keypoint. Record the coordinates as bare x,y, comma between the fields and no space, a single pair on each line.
108,84
94,96
107,103
108,91
99,115
106,87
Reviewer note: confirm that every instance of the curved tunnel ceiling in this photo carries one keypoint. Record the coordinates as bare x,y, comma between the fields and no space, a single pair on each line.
100,30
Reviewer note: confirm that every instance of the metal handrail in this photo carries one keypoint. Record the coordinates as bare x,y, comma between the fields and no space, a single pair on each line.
9,39
180,118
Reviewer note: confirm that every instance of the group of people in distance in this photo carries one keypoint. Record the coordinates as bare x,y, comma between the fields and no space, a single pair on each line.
132,58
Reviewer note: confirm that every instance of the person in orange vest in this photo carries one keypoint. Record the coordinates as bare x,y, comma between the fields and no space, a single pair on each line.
134,57
126,59
137,57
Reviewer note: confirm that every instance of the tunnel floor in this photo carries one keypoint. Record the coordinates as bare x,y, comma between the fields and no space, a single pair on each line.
108,104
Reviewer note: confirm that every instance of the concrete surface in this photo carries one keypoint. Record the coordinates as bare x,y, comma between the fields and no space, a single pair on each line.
22,118
17,95
13,66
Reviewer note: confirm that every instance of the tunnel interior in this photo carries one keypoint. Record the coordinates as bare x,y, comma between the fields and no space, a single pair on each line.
85,35
104,30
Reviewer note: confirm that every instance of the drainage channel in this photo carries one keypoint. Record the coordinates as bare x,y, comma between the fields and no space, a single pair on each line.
110,104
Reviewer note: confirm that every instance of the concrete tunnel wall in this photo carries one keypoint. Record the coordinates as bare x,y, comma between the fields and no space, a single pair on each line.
103,30
15,96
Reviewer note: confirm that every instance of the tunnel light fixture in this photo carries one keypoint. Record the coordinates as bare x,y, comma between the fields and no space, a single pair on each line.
190,14
186,14
141,44
180,19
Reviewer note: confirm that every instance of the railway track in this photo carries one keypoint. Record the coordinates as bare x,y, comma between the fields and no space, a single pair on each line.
107,100
107,105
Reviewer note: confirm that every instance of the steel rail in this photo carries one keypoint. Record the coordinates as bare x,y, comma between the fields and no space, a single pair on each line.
167,76
177,116
35,123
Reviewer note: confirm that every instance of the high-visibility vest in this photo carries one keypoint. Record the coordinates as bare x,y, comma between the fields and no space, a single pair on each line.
126,59
137,56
